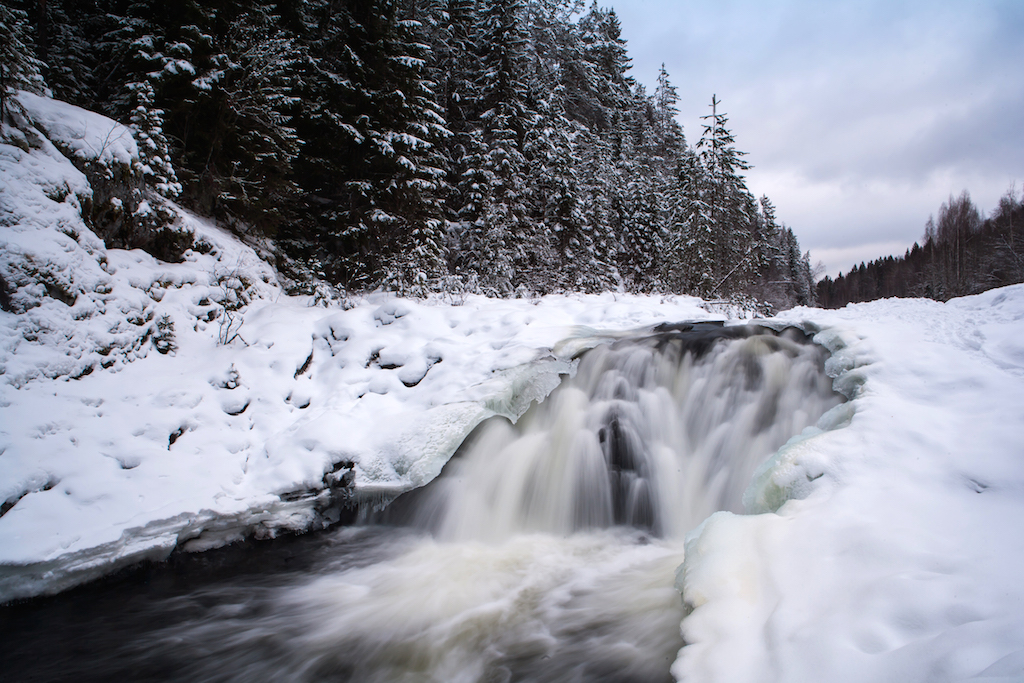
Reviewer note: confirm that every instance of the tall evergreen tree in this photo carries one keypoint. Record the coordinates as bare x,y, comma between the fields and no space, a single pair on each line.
372,128
19,68
147,123
506,119
735,239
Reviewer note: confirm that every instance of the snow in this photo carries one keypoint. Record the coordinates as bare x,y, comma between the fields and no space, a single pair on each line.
85,134
895,549
149,406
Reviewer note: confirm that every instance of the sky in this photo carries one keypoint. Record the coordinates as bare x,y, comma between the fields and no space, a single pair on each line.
860,117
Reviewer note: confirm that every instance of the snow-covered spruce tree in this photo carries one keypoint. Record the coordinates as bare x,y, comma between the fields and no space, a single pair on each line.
668,139
628,248
604,48
800,272
596,91
777,286
454,65
501,223
559,247
784,278
641,240
63,45
19,67
371,159
690,265
663,145
152,70
251,104
147,123
738,244
641,202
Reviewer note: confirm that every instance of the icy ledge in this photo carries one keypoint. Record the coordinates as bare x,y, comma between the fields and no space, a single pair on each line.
888,548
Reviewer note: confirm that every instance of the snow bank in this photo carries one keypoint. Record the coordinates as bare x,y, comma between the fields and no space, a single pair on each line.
85,134
215,439
150,405
894,545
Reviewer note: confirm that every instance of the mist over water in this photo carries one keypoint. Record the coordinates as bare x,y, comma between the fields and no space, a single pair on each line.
546,551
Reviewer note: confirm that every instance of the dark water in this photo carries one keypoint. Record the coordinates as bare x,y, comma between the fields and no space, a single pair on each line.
546,551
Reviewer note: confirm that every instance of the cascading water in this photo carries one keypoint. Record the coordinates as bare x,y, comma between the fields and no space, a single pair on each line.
655,433
552,543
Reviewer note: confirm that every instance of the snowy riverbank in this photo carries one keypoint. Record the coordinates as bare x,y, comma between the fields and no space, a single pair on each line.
899,560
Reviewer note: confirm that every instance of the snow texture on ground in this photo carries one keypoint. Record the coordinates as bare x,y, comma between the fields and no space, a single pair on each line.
148,406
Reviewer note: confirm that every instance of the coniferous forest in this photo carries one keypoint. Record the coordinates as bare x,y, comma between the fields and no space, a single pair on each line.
493,146
962,254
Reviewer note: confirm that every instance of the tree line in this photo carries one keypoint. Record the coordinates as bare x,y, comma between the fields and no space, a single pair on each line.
962,254
494,146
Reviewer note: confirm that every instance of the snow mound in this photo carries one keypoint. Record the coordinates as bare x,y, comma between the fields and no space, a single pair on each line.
87,135
888,549
79,307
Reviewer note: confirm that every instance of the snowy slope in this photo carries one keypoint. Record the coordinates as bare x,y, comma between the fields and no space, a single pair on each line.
899,556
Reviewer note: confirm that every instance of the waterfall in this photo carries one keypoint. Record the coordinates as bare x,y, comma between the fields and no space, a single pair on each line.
655,432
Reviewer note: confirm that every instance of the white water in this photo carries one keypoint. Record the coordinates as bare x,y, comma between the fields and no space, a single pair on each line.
554,542
645,435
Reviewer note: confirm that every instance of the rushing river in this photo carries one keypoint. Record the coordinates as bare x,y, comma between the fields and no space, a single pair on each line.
546,551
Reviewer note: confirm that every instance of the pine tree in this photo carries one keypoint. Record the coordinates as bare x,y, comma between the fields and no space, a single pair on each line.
729,205
373,126
19,68
693,243
154,151
501,223
669,140
63,46
252,103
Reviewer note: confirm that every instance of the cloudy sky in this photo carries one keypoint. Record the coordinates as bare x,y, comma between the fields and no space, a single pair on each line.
860,117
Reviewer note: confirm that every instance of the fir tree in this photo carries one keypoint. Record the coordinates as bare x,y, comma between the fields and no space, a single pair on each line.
19,68
729,205
154,152
501,223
